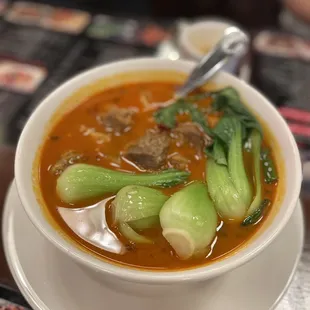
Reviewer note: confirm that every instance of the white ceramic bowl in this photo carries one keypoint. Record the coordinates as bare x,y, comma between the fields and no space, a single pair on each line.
139,280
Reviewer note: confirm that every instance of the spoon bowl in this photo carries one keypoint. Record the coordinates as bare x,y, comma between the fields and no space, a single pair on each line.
89,223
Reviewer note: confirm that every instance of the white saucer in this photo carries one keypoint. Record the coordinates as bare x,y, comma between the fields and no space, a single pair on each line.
51,281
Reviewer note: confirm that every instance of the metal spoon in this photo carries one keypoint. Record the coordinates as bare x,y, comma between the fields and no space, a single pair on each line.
233,44
90,224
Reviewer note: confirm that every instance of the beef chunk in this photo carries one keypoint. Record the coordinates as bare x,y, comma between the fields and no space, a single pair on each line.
191,134
117,120
150,151
67,159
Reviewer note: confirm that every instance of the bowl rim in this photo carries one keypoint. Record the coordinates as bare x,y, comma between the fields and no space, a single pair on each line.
123,272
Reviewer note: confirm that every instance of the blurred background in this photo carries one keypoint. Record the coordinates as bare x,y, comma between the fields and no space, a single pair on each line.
43,43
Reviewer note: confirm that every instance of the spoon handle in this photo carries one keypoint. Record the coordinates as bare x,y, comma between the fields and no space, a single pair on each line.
232,44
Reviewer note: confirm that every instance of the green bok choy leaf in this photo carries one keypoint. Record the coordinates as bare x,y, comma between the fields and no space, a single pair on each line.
189,220
81,181
227,100
136,208
167,116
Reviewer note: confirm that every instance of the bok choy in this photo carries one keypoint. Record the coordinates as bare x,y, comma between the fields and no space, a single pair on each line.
237,129
136,208
236,166
256,142
258,204
189,220
228,184
227,200
81,181
228,101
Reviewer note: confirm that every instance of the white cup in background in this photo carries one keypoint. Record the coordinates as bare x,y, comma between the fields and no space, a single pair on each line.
196,39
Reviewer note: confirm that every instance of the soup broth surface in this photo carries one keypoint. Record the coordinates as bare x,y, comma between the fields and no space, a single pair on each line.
78,131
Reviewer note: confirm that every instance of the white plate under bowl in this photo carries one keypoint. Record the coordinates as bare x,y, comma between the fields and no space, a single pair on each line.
49,280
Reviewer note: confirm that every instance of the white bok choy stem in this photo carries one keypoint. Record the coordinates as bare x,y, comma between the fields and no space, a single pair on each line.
223,191
256,141
136,208
189,220
236,165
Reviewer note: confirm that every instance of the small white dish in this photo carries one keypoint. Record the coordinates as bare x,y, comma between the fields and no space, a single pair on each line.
50,280
196,39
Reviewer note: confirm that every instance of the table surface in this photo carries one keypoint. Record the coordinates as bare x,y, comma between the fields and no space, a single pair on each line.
295,295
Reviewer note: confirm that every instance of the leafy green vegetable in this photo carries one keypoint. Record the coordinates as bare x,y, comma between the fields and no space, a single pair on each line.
145,223
131,235
270,172
227,180
167,116
223,192
216,151
189,220
227,100
133,203
81,181
137,208
256,141
225,128
257,214
236,166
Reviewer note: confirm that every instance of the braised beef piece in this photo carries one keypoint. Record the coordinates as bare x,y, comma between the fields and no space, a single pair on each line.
117,120
150,151
192,134
67,159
